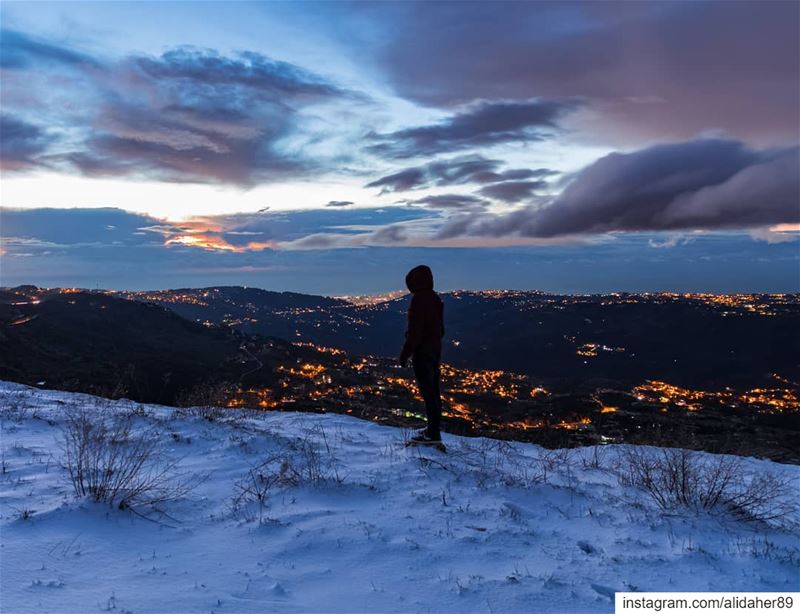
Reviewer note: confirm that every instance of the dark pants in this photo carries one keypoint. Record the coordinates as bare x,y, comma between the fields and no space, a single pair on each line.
426,370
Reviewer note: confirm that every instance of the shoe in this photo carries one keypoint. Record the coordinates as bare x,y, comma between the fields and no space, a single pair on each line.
422,436
422,439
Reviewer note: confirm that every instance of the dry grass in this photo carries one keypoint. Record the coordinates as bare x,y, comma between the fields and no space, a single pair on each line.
675,477
109,460
296,462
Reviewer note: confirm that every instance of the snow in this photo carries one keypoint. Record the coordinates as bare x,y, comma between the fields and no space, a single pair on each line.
490,526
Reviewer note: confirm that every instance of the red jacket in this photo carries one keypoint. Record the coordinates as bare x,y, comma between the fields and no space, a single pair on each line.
425,316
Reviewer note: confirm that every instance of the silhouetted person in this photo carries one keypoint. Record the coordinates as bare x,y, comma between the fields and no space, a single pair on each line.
424,345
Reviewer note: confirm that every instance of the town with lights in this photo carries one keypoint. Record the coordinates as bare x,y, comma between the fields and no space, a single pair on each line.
513,406
595,369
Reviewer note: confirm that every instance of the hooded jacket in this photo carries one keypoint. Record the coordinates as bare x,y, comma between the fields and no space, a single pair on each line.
425,316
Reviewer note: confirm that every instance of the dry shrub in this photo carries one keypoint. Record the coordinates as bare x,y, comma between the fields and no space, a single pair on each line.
108,460
675,477
593,457
492,462
554,462
15,405
207,401
489,461
298,462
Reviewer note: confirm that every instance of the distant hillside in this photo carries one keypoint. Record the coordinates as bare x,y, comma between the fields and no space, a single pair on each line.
600,370
94,342
568,341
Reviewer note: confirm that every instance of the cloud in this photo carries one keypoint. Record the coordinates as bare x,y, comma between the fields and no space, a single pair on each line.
765,192
85,231
67,227
452,201
213,242
701,184
111,227
384,236
407,179
249,70
244,233
516,174
20,143
480,124
74,247
285,226
512,191
647,70
669,242
455,171
188,115
456,226
317,240
394,233
389,236
339,203
780,233
19,50
463,169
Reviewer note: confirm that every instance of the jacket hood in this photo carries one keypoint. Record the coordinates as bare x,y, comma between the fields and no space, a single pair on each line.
419,278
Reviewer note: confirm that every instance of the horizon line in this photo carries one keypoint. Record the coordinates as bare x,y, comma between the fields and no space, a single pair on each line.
393,294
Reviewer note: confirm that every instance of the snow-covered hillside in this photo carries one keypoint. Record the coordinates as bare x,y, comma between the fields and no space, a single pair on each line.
354,523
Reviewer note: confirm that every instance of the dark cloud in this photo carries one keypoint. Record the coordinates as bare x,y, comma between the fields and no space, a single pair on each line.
512,191
702,184
649,69
19,50
75,247
77,226
317,241
188,115
394,233
20,143
464,202
389,235
478,125
216,119
516,174
239,162
98,164
339,203
249,70
288,226
407,179
41,231
457,226
456,171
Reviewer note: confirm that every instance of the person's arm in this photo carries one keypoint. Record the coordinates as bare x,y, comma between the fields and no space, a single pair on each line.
414,332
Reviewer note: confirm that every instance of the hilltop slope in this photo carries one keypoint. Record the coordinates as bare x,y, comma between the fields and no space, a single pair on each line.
357,524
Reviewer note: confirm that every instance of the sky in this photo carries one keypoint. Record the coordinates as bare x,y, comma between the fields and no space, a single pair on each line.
329,147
